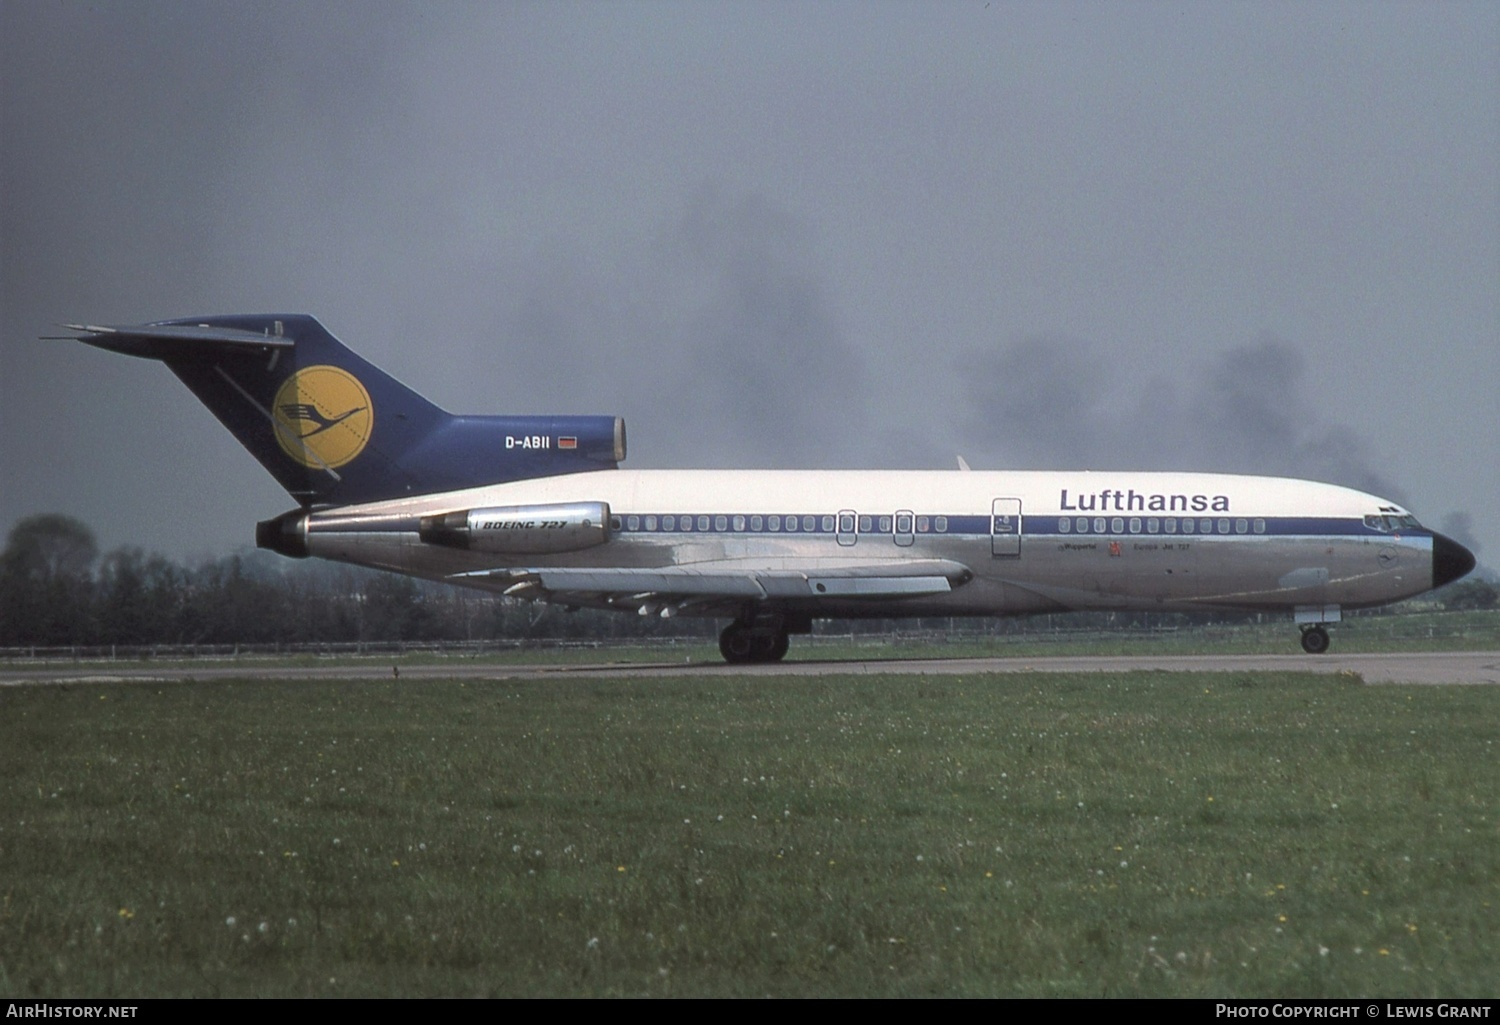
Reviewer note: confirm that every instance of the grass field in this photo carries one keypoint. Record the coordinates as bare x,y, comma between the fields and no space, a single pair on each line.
1031,835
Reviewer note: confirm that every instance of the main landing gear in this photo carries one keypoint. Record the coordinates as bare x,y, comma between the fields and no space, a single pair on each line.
740,643
1314,639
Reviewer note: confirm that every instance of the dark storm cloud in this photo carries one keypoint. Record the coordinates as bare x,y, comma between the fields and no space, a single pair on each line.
1038,402
1048,402
130,129
1460,527
1256,413
159,160
718,338
767,359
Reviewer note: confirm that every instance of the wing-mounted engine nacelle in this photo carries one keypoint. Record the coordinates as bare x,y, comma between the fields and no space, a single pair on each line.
521,529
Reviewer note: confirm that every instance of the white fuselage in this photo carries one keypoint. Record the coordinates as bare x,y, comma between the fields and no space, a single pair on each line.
1033,541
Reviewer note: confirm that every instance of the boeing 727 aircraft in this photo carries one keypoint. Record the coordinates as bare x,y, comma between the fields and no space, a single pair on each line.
537,507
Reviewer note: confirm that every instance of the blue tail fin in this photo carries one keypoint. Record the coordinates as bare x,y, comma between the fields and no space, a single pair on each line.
334,429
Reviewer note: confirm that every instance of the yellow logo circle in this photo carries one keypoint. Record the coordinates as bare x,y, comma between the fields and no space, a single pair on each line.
323,416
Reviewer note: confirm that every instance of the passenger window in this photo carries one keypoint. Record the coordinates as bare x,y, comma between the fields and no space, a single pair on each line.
827,524
1135,524
634,522
1223,526
866,524
1083,525
739,523
1117,525
1260,526
1205,526
1241,526
1171,524
846,523
941,523
903,524
1064,524
922,523
756,523
650,522
809,523
687,523
1098,524
614,523
669,523
775,522
1187,526
885,524
702,522
1153,525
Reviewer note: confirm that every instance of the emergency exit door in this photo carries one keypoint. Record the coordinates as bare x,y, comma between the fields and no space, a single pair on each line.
1005,528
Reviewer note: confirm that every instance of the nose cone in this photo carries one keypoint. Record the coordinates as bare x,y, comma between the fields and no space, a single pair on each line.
1450,560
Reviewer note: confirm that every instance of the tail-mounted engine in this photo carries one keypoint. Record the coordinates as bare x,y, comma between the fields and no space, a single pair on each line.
520,529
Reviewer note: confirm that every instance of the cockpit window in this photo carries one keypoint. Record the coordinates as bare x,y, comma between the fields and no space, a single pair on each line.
1390,523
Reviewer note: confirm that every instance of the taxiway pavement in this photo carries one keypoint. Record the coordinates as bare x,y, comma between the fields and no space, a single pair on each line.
1446,667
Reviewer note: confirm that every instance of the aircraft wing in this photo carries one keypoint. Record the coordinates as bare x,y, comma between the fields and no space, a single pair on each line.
737,579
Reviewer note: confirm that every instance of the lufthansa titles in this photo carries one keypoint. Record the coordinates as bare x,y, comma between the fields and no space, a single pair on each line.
1130,500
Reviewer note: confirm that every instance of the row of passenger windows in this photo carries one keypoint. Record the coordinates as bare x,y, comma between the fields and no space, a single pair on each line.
1153,525
900,523
907,523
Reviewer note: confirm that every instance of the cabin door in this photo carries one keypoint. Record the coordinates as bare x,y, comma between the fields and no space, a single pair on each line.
1005,528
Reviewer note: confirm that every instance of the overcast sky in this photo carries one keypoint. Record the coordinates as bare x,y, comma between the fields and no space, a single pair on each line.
1238,237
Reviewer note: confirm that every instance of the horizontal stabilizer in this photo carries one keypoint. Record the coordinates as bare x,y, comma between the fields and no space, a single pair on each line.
177,341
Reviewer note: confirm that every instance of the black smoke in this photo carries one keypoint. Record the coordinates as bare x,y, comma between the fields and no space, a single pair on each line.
719,341
1055,402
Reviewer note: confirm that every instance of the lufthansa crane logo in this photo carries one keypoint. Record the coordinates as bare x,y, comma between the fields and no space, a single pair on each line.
323,416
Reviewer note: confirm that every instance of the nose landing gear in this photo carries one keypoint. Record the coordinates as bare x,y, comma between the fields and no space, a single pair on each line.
1314,620
1314,639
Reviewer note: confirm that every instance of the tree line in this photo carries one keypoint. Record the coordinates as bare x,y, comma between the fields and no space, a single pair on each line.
57,589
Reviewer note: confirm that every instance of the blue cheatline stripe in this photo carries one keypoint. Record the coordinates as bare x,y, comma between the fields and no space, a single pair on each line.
1032,526
1281,526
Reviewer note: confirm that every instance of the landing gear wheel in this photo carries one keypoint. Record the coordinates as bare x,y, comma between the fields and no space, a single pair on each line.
739,645
1315,640
771,648
736,644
